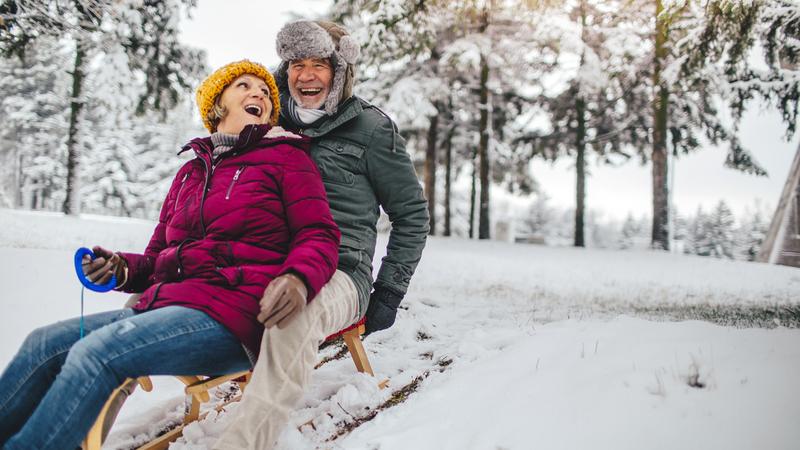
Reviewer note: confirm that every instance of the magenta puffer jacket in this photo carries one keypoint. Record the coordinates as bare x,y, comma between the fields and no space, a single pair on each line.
229,227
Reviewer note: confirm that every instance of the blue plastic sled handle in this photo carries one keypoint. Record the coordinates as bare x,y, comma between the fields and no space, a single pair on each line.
111,284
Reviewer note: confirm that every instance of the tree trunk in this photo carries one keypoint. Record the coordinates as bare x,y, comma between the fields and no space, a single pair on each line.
18,165
580,167
660,233
430,170
580,147
448,171
473,194
483,151
72,201
18,178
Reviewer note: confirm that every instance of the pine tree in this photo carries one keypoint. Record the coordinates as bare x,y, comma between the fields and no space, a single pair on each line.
32,106
599,110
157,143
685,86
428,66
713,234
696,242
146,29
752,232
537,222
731,31
108,139
630,231
720,225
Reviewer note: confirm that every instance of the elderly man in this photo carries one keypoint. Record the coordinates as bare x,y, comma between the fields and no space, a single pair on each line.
364,167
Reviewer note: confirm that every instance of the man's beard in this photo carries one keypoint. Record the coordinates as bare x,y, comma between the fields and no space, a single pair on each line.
304,103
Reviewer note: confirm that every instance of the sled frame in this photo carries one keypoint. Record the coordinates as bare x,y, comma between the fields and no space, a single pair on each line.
197,392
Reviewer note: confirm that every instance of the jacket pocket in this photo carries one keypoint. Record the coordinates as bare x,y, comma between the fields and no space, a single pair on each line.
236,176
339,162
232,275
350,253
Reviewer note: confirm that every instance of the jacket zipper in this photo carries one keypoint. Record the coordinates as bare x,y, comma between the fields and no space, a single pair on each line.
155,294
180,189
209,172
233,181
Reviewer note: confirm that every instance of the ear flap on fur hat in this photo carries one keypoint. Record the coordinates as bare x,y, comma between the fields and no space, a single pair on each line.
337,86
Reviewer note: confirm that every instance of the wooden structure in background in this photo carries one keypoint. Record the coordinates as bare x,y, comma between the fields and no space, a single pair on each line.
782,242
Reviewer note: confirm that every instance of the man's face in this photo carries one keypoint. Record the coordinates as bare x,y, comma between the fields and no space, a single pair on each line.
310,81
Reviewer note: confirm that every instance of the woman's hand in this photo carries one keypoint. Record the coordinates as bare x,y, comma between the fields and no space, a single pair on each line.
105,264
283,299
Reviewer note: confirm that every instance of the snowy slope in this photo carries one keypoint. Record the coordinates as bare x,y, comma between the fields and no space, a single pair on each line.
623,384
512,346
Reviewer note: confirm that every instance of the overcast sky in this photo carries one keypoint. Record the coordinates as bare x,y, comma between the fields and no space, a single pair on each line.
237,29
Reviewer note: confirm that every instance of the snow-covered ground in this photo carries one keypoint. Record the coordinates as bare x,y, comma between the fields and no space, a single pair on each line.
499,346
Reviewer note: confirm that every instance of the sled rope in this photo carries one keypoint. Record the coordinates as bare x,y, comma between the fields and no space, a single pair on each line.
82,289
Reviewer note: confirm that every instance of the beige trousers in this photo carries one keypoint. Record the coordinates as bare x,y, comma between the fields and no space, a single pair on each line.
285,365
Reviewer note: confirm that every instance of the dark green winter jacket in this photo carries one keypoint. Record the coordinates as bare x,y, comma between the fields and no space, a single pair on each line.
364,166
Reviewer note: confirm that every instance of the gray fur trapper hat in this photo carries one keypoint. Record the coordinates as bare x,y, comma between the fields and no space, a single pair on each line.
319,39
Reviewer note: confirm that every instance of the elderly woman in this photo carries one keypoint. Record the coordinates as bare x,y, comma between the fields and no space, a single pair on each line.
247,214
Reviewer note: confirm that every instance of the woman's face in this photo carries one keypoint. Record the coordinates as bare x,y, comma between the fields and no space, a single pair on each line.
247,102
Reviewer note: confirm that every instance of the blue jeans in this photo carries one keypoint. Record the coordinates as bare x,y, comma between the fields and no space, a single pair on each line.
56,385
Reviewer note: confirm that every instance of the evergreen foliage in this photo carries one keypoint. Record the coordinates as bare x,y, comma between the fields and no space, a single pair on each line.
631,229
596,107
125,59
33,109
423,63
732,29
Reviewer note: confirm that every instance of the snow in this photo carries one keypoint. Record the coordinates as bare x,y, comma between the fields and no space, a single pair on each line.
514,346
577,384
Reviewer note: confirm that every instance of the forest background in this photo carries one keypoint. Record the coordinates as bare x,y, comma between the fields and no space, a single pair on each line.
506,105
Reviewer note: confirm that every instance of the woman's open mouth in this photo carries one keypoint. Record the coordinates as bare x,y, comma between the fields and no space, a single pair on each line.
253,109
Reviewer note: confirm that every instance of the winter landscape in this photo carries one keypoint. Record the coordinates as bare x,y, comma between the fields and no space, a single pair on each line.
506,346
610,186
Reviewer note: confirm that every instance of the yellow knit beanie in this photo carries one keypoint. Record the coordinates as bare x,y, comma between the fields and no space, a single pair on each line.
213,86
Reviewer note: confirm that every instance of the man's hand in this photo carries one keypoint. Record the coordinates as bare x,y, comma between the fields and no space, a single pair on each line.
105,264
382,309
283,299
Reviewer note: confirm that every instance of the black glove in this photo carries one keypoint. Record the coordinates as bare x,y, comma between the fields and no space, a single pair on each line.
382,309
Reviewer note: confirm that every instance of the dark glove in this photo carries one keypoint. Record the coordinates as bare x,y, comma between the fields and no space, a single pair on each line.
105,264
382,309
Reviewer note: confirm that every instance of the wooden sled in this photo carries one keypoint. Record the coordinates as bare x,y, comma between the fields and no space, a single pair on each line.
197,392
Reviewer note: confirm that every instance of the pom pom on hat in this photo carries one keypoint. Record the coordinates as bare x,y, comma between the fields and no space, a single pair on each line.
214,84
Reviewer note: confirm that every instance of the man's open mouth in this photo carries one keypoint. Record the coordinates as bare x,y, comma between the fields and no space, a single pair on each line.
310,91
253,109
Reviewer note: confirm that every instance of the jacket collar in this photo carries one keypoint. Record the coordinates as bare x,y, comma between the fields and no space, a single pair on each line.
250,135
347,111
